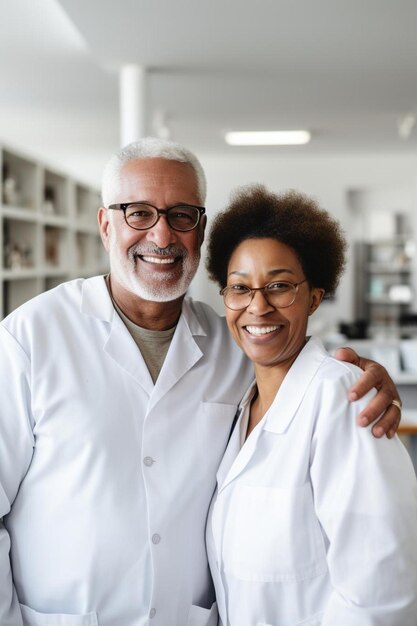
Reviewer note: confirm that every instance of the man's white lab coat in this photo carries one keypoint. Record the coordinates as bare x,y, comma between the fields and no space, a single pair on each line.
105,479
314,522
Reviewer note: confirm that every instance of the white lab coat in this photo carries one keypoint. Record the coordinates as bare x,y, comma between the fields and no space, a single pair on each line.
106,479
314,522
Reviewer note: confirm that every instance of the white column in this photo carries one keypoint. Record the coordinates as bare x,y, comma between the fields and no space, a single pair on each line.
132,103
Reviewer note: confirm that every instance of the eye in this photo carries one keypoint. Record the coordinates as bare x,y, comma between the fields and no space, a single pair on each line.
183,215
279,287
238,288
139,210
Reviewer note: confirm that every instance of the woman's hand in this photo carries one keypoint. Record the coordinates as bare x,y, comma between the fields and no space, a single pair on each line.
375,375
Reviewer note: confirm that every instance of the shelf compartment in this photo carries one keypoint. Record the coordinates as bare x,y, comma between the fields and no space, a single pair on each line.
87,203
16,292
56,249
20,239
19,181
55,198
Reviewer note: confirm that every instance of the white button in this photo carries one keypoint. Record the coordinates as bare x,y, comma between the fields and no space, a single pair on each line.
152,613
156,538
148,461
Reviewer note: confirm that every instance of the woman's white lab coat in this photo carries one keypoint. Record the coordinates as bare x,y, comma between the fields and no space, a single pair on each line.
105,478
314,522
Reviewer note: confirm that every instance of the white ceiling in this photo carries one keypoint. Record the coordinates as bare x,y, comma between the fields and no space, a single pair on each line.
346,70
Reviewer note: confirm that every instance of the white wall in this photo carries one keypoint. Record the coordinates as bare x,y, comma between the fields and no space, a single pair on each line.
328,178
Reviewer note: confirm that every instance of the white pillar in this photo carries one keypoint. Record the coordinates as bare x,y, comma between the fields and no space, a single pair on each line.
132,103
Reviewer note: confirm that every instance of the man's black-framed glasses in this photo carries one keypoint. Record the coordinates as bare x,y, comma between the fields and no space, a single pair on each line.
142,215
279,294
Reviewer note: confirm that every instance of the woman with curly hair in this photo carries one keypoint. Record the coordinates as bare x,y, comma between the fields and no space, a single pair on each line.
314,520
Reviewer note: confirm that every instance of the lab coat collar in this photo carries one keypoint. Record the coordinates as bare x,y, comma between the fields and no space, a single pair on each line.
294,386
278,416
95,299
182,354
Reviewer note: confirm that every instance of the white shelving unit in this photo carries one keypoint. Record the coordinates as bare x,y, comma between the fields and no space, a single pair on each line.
48,229
383,281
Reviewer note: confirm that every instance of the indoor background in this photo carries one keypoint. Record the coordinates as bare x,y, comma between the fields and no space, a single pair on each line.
344,71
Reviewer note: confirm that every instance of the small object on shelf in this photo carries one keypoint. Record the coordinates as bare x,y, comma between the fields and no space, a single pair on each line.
51,247
17,256
49,200
11,193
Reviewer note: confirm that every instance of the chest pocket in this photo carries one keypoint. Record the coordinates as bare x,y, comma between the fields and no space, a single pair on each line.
272,534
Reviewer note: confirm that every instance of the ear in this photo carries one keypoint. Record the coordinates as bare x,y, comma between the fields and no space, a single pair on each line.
316,296
104,226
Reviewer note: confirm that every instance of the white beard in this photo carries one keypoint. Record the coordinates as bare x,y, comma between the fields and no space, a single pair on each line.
162,288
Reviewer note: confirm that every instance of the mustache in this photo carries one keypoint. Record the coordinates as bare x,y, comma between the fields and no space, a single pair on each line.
147,249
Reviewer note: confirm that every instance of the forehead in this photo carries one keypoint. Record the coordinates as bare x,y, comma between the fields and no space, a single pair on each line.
158,181
263,255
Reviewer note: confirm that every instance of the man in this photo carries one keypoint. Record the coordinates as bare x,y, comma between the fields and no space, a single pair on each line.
118,396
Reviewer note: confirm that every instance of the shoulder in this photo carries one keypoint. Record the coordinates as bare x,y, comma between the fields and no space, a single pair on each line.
329,386
45,313
215,337
211,322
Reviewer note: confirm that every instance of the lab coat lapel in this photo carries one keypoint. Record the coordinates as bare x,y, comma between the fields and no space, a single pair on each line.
231,452
236,458
183,353
119,344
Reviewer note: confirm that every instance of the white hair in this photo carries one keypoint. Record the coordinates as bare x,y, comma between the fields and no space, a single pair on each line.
149,148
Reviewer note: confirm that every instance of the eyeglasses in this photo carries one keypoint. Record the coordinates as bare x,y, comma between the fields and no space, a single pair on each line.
279,294
142,216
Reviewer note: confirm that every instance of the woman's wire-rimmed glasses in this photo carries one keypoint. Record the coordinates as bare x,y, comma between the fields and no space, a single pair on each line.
279,294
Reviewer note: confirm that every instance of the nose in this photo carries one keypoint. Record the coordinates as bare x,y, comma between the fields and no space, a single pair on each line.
161,234
259,304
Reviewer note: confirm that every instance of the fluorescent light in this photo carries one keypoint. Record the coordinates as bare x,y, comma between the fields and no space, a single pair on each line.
268,138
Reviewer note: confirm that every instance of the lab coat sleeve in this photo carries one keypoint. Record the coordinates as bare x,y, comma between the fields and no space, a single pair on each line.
365,498
16,448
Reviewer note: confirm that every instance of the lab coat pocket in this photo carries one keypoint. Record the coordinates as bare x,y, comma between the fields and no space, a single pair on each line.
272,534
203,617
34,618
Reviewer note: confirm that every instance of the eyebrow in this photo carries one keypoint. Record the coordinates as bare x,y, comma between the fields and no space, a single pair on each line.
271,273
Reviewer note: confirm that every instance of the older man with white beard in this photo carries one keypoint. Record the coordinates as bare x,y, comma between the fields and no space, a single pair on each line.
118,396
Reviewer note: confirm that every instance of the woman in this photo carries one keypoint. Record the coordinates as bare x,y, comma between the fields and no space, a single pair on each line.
314,520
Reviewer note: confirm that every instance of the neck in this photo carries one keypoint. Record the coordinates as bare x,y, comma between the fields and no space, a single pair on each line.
145,313
268,381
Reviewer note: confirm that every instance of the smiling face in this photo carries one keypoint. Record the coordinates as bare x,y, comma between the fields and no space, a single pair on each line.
156,264
270,337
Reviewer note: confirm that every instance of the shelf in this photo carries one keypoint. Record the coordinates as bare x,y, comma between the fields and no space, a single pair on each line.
48,229
379,268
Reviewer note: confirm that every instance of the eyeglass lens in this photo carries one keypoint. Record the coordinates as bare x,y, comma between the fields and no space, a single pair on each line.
279,295
143,216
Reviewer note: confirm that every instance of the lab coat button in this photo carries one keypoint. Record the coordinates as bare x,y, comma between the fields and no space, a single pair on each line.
152,613
148,461
156,538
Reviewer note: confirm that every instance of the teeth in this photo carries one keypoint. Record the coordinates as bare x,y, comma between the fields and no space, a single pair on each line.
261,330
160,260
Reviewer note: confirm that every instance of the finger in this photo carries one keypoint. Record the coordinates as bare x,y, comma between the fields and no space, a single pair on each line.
347,354
369,379
378,408
387,424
